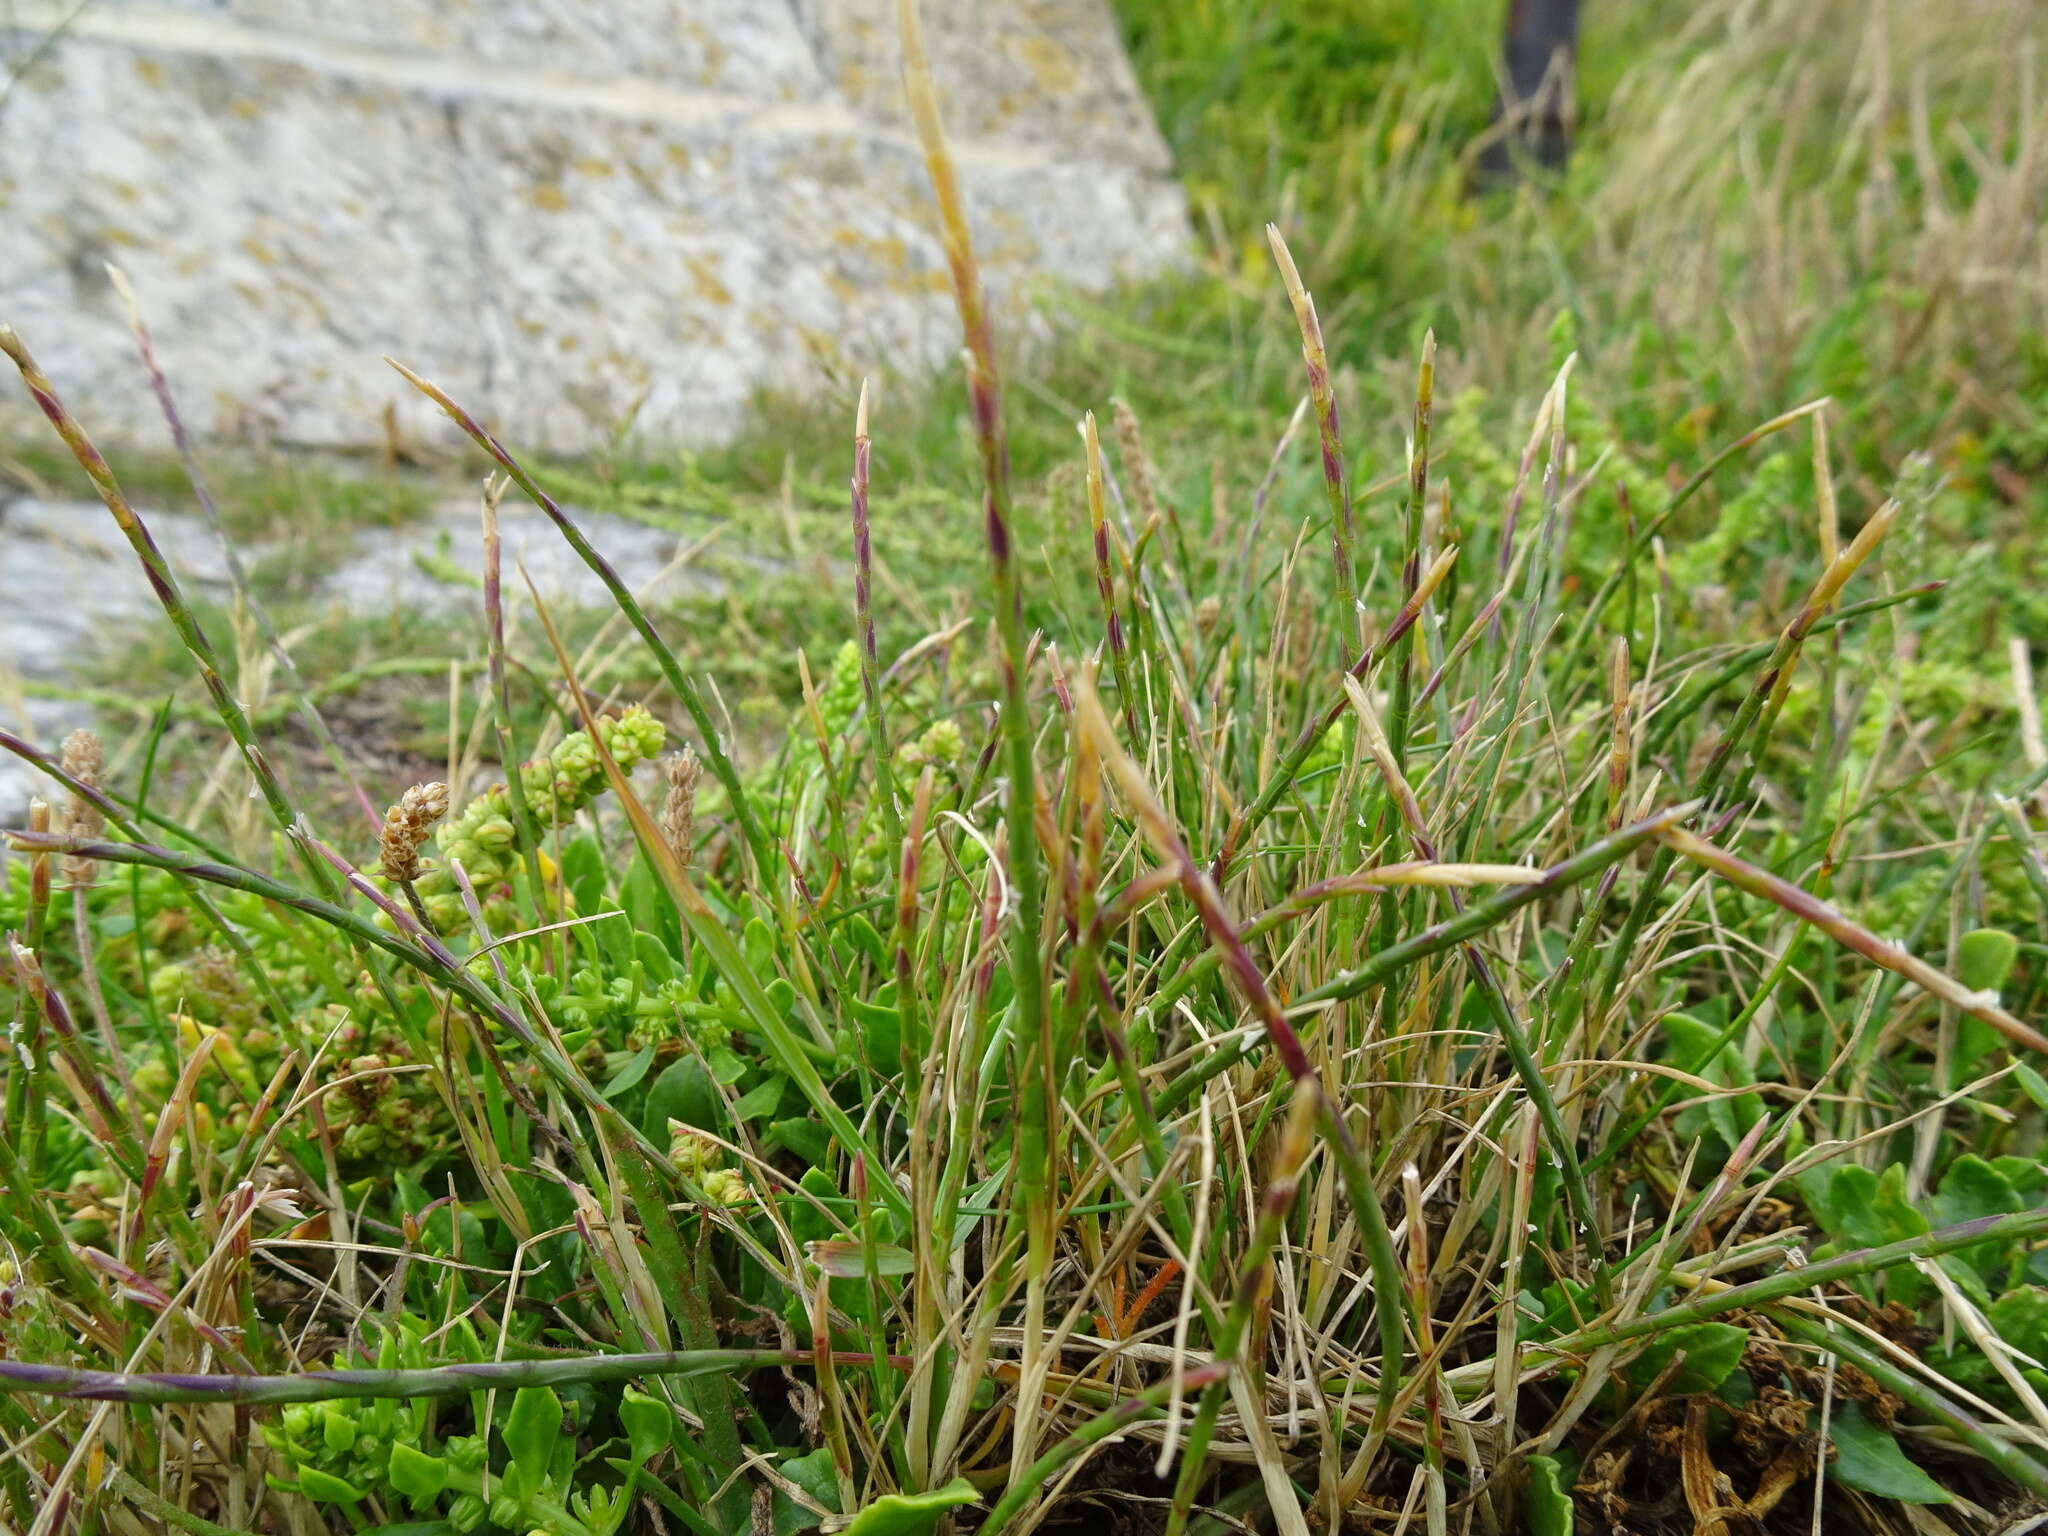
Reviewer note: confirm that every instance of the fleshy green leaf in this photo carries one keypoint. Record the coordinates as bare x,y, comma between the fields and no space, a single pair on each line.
415,1474
727,1065
1550,1502
803,1136
652,954
911,1514
2020,1318
338,1430
326,1487
2035,1085
647,906
1869,1460
630,1072
1692,1050
881,1033
867,940
814,1474
1973,1188
682,1092
532,1429
807,1222
761,1101
1712,1350
648,1425
1985,958
583,870
1872,1209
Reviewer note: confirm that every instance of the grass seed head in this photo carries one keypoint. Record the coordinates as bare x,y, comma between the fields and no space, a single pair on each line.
83,759
406,826
679,807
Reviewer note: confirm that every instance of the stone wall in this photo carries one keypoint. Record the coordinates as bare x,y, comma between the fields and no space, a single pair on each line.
570,212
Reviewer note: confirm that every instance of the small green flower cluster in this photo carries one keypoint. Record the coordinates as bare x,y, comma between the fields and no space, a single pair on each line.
206,984
943,749
339,1451
485,838
345,1452
843,692
701,1160
379,1116
624,1005
1751,519
941,746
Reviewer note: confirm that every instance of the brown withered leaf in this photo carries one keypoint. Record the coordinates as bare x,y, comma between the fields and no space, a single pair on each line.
1708,1492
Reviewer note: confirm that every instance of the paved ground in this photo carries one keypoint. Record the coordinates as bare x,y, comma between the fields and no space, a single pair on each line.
71,590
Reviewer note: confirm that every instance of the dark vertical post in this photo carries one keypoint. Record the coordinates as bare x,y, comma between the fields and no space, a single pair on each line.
1533,117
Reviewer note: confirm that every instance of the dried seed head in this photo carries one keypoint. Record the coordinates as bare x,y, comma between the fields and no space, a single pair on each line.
82,760
406,826
679,809
1130,446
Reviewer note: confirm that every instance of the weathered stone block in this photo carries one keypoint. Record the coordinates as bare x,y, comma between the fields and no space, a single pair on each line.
572,213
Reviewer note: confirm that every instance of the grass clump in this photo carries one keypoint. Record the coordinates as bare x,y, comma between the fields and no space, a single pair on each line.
1320,994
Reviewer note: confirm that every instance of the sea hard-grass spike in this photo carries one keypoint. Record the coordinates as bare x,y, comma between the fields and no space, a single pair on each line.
1323,396
1620,756
984,389
1412,542
1827,514
864,619
1032,1070
433,1381
1105,583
